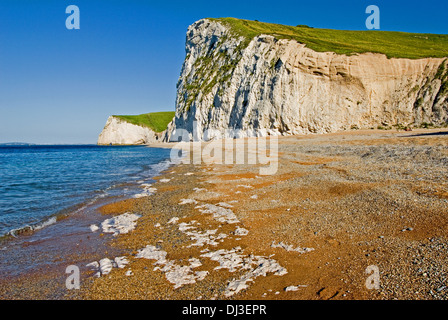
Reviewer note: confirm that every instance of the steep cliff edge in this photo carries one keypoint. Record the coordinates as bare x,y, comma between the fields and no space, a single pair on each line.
237,76
134,130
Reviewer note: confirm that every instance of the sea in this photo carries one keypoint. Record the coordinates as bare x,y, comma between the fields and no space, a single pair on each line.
41,183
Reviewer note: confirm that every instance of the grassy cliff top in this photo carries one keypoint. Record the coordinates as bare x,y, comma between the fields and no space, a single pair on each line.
392,44
157,121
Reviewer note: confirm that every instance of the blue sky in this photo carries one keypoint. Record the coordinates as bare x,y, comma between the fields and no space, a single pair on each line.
59,85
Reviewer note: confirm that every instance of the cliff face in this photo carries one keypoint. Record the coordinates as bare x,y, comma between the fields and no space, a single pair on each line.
286,88
119,132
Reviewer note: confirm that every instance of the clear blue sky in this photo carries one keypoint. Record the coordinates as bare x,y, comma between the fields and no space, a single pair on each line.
59,85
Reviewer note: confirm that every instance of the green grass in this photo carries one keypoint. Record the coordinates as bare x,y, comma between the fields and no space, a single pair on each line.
392,44
157,121
442,74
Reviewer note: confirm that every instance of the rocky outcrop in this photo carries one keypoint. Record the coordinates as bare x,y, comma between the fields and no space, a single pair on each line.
120,132
272,86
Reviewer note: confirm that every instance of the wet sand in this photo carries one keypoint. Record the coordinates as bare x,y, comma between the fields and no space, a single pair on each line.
338,204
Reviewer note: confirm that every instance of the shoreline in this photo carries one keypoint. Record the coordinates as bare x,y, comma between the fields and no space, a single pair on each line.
34,261
327,214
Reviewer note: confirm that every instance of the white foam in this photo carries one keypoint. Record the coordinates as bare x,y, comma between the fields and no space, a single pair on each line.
236,286
294,288
241,231
178,275
224,205
164,180
236,260
185,226
152,253
290,247
164,165
221,236
38,226
105,266
148,190
121,224
194,262
121,262
220,214
174,273
202,238
187,201
44,224
94,228
95,266
228,259
173,220
244,186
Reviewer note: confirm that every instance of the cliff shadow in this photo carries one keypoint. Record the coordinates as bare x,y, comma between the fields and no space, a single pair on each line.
441,133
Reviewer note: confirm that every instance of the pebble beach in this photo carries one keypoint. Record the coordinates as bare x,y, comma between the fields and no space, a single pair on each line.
337,204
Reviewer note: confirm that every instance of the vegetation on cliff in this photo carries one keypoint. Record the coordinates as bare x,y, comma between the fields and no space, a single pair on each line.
392,44
157,121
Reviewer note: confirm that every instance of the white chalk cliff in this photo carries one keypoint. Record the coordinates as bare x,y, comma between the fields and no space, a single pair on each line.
120,132
278,87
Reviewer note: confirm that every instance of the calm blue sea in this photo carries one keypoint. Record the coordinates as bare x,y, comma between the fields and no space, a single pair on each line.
39,182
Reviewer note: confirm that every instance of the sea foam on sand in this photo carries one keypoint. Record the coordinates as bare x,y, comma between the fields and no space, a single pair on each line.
121,224
220,214
289,247
148,190
187,201
105,266
174,273
233,260
236,260
182,272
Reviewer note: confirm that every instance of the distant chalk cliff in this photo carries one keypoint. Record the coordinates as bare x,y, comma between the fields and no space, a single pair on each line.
120,132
